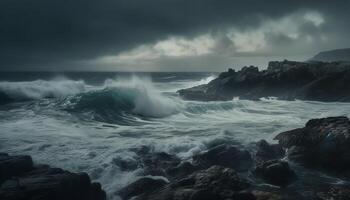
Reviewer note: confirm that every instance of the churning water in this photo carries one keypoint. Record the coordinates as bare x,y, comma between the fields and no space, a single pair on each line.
92,121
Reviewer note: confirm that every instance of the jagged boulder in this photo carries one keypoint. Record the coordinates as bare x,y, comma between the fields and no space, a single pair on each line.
181,170
275,172
217,183
322,143
141,186
21,180
266,151
224,155
14,165
334,193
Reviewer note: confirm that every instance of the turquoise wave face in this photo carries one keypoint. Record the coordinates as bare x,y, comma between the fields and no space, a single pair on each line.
106,99
110,105
120,104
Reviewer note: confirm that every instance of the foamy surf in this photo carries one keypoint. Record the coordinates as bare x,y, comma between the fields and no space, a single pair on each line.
99,126
34,90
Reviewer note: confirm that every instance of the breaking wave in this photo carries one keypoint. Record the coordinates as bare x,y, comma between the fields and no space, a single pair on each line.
39,89
117,100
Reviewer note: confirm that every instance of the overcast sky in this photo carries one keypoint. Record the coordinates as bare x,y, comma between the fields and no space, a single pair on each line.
166,35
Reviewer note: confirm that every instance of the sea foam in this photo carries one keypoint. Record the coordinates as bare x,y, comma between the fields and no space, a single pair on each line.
38,89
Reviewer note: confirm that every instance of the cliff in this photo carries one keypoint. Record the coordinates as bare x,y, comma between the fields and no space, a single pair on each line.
286,80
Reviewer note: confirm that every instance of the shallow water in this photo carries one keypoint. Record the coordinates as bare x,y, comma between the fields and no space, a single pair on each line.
87,123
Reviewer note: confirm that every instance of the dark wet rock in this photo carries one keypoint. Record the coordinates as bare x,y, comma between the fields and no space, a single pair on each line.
204,195
263,195
224,155
322,143
266,151
301,154
161,164
334,193
245,195
181,170
275,172
217,183
125,164
22,180
141,186
287,80
14,165
218,178
158,164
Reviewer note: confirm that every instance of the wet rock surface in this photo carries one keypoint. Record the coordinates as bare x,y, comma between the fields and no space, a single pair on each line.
216,182
20,179
287,80
163,164
260,171
334,193
141,186
275,172
224,171
322,143
218,173
266,151
225,155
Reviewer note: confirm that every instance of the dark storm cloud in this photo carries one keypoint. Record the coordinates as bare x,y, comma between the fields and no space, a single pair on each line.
57,33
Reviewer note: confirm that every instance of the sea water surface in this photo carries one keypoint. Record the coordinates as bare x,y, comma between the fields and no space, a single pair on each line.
93,121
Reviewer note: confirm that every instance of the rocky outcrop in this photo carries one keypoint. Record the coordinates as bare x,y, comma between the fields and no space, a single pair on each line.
229,171
322,143
226,156
158,164
21,180
172,167
161,164
266,151
286,80
214,183
142,186
334,193
275,172
215,174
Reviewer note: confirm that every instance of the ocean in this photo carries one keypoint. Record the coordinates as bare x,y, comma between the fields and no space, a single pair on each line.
93,121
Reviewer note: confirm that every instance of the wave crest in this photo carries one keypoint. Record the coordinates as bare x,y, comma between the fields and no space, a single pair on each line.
38,89
118,99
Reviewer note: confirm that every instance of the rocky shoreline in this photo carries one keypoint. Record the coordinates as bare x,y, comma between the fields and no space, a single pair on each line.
286,80
225,171
20,179
267,172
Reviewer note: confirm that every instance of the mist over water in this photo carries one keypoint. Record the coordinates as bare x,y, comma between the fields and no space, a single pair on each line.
83,124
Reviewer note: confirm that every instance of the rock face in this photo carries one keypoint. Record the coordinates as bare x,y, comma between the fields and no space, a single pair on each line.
285,80
224,155
275,172
163,164
334,193
322,143
228,171
158,164
266,151
141,186
215,174
20,179
217,183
